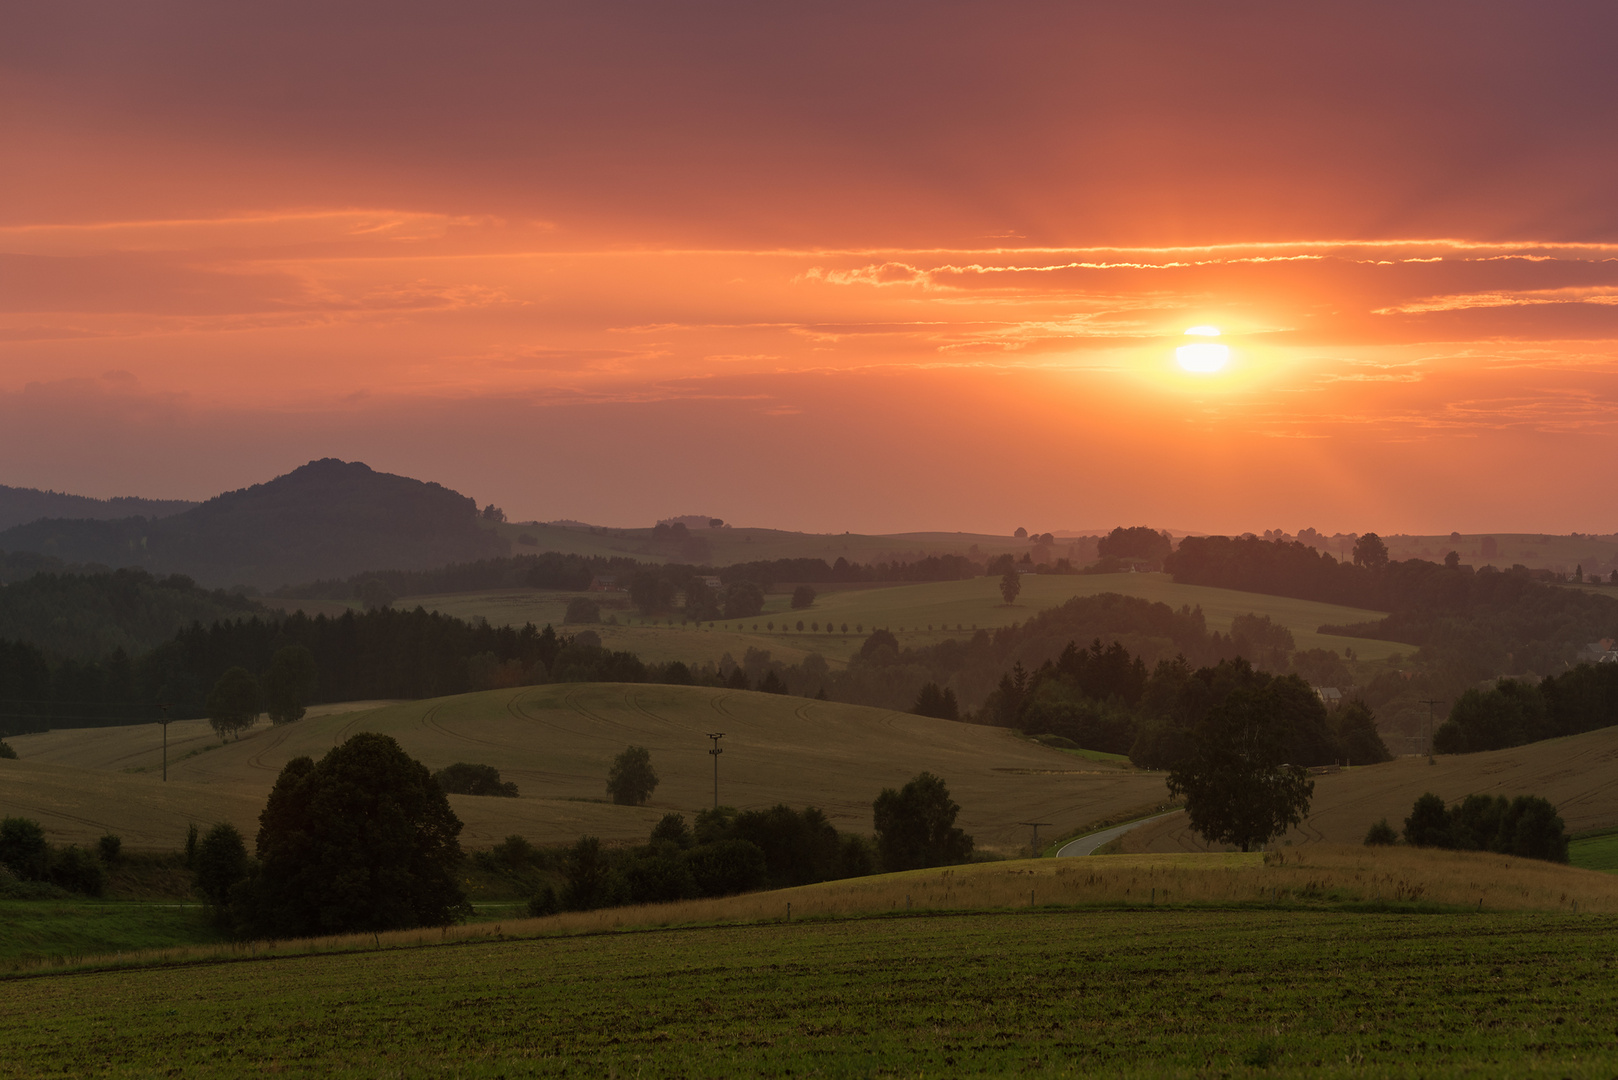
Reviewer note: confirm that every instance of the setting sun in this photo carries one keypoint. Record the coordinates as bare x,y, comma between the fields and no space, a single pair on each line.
1203,359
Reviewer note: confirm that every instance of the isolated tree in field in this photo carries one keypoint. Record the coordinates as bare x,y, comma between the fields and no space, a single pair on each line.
803,596
289,683
631,780
233,703
915,826
1237,788
221,862
1370,552
362,841
1010,586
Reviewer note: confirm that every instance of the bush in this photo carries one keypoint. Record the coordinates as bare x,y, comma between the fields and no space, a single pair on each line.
464,779
110,847
23,849
803,596
590,883
1527,826
1381,835
631,780
543,903
6,752
76,870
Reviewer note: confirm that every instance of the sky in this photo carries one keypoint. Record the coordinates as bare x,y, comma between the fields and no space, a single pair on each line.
874,267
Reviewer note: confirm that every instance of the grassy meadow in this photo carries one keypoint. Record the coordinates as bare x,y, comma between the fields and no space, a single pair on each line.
1342,962
556,743
921,614
1595,851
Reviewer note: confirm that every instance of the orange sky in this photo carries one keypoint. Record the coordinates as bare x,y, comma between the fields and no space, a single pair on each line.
868,267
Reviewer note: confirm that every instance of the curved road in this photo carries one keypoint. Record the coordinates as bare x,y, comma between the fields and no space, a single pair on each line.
1086,845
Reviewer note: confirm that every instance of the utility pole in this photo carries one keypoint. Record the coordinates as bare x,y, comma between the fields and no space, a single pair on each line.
1431,704
716,736
165,723
1034,843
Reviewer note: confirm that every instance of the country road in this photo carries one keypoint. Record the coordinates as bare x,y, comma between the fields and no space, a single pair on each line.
1086,845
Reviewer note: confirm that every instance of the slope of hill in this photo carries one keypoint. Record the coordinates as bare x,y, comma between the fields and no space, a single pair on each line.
326,519
1574,773
87,616
556,742
18,506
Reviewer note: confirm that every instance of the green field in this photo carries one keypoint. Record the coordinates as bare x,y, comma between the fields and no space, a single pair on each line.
36,929
1138,992
1595,852
922,614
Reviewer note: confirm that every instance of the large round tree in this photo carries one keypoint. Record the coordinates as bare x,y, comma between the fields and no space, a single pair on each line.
362,841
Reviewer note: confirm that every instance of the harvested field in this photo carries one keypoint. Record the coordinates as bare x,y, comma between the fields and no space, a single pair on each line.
556,743
1575,773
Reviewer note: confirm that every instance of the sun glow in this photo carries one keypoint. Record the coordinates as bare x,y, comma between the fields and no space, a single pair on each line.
1202,359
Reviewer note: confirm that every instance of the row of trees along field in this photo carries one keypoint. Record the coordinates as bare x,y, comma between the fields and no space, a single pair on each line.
1474,622
365,840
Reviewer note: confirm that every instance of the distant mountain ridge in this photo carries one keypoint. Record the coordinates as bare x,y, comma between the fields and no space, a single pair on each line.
19,506
327,519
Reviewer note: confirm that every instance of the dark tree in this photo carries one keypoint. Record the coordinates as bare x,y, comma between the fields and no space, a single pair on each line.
803,596
6,751
772,684
1357,734
1021,533
590,883
1370,552
289,683
363,841
221,862
1453,560
1010,586
582,609
233,703
1429,823
915,826
462,778
937,703
1138,542
743,600
23,848
631,780
1237,788
651,592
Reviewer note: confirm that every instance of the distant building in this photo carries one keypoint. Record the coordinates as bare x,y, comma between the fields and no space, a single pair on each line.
1330,696
1604,651
713,583
605,583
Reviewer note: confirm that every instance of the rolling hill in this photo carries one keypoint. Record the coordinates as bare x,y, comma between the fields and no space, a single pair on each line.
928,613
327,519
1574,773
556,743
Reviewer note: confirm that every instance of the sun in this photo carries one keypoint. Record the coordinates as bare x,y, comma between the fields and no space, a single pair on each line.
1202,358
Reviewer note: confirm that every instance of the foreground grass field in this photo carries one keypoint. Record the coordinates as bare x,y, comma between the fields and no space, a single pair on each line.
923,614
556,742
1147,992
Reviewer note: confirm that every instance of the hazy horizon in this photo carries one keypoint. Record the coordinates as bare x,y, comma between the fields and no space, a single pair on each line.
882,269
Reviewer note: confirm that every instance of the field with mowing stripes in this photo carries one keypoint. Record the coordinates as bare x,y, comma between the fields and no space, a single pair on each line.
556,742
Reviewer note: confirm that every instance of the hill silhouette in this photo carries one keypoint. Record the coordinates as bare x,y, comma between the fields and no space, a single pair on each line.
329,518
19,506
